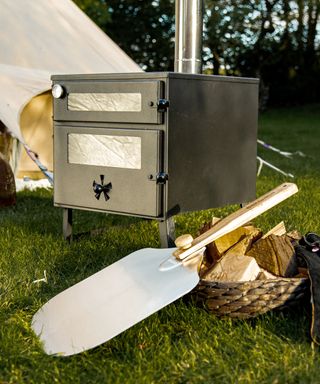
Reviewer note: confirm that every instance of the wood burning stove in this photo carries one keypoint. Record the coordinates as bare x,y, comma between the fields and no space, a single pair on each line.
153,144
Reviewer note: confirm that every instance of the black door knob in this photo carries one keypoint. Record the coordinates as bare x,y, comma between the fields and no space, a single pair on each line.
162,178
163,105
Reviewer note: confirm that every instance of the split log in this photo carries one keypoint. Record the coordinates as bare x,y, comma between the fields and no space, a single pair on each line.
302,272
275,254
218,248
294,235
279,230
234,268
234,265
224,243
265,275
215,220
209,258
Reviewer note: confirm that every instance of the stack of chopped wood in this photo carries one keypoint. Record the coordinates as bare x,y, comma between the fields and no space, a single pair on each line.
246,254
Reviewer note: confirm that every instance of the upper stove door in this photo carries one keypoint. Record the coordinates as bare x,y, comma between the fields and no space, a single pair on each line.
108,101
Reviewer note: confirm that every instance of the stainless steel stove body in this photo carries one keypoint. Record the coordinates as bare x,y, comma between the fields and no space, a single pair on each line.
153,144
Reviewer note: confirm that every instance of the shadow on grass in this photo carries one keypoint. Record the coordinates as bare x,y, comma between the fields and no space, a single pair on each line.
34,212
290,325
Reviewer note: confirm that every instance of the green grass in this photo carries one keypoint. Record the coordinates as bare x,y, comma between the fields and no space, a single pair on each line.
181,343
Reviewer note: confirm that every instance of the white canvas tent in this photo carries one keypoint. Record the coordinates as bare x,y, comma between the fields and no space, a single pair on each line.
40,38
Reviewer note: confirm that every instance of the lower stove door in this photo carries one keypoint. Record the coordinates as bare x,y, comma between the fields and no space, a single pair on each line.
106,169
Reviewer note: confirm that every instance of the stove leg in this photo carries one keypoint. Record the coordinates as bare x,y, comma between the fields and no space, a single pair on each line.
67,224
167,233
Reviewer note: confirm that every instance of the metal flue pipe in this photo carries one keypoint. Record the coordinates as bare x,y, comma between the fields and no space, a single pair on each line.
188,38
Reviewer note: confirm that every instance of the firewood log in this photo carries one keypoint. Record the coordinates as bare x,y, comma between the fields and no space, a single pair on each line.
278,230
216,249
276,255
234,265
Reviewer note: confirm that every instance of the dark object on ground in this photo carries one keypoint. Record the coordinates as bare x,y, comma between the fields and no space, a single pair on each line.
7,184
308,252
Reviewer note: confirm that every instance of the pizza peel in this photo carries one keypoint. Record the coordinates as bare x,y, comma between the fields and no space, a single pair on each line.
112,300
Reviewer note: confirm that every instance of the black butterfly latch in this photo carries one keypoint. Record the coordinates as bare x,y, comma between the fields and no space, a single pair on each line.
102,188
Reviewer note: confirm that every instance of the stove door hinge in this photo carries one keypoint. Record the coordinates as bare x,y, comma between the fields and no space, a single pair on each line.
159,178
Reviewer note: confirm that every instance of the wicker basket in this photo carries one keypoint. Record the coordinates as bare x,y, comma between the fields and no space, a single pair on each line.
248,299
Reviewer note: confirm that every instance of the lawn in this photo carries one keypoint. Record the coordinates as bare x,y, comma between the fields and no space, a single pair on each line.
181,343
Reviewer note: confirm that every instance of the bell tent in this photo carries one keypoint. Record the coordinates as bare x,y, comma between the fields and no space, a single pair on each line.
41,38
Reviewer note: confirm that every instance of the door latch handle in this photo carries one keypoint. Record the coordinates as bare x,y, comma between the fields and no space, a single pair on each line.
101,188
162,105
159,178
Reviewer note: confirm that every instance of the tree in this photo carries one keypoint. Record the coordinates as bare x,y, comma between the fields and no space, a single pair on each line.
275,40
226,34
143,29
97,10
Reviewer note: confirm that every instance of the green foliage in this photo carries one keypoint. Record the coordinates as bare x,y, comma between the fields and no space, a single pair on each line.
275,40
227,34
181,343
97,10
143,29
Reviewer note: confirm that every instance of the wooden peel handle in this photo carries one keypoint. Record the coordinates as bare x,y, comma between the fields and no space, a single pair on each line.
239,218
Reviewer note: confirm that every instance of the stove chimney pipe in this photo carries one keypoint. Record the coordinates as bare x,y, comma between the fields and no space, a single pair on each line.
188,39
